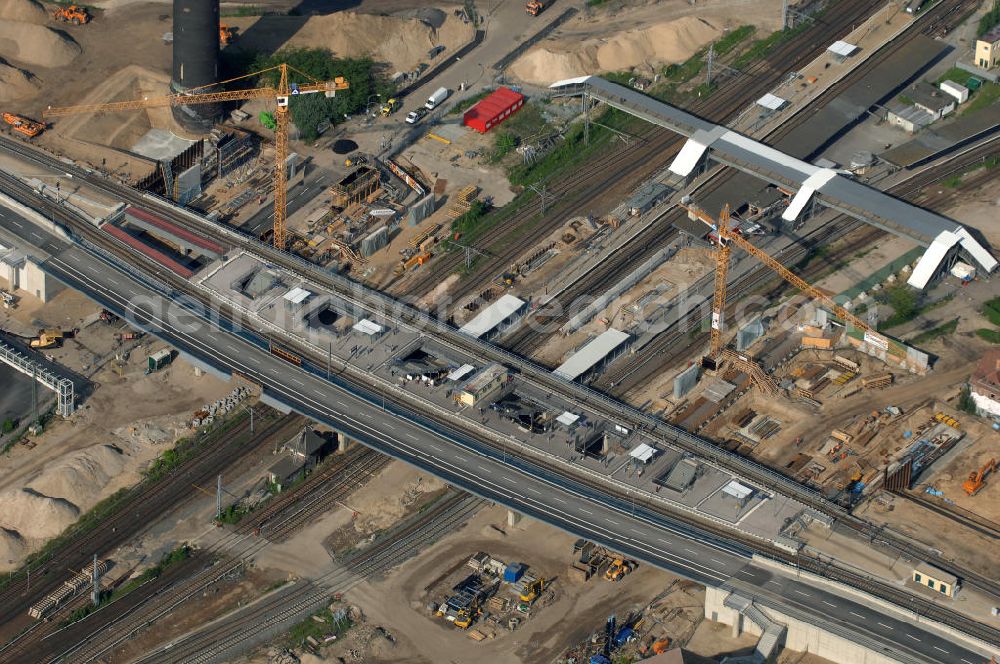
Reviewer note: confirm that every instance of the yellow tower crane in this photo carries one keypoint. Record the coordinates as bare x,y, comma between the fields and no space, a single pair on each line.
280,93
727,236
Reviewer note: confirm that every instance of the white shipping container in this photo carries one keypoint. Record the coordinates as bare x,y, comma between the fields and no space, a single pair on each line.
959,92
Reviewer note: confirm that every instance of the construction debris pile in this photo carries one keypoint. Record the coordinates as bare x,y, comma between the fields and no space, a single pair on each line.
207,414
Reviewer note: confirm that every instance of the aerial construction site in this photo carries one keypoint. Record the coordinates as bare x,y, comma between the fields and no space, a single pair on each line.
570,331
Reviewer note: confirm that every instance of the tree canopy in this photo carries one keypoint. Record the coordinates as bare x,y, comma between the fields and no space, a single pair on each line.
309,111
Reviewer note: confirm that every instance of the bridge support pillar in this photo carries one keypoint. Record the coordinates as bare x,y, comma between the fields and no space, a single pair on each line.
344,443
513,518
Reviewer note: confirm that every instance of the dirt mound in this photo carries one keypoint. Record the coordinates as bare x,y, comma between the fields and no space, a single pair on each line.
36,45
658,44
401,42
81,476
15,84
28,11
12,547
33,515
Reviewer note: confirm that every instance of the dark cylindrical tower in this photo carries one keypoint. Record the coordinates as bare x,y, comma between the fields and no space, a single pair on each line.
196,59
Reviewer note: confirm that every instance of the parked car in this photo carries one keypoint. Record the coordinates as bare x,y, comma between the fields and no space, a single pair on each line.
413,117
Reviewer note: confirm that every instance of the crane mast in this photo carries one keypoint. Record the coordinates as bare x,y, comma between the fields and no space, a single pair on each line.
280,93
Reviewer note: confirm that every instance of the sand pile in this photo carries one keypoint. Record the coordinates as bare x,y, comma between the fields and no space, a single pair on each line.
81,477
28,11
401,42
658,44
33,515
36,44
15,84
12,547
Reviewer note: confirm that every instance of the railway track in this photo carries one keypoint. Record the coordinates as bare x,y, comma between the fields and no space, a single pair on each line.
282,516
229,635
529,338
617,497
136,512
590,186
674,343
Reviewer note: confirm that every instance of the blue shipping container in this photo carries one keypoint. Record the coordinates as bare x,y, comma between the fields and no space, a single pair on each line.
514,572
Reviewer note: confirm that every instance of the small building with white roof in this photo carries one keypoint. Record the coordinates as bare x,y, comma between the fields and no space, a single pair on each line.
495,318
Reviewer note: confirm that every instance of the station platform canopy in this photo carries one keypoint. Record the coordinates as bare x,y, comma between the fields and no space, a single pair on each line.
591,354
842,49
367,327
643,453
494,316
828,187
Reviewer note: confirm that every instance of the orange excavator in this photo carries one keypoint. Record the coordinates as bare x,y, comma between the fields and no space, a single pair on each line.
23,125
977,479
226,34
74,14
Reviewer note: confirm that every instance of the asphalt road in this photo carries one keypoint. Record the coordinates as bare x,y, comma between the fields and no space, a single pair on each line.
464,462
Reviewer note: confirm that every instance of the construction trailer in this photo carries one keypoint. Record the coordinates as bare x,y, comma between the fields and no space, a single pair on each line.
158,360
494,109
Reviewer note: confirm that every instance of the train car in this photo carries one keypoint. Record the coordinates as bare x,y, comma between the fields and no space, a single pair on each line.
915,6
286,355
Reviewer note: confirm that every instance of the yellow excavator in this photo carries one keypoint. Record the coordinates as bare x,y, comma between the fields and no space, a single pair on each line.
532,591
47,339
466,617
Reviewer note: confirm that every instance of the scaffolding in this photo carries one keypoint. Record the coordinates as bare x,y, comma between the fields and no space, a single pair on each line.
356,186
63,387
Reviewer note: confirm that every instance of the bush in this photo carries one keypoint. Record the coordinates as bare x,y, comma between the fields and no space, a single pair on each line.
993,336
903,301
505,143
989,20
8,425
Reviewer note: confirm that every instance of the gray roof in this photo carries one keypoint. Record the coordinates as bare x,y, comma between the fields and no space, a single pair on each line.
285,467
746,154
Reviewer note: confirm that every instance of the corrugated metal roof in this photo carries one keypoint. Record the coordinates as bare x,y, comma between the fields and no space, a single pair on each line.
596,350
493,315
842,48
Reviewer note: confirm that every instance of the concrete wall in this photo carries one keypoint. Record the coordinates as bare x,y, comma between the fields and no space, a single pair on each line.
36,282
801,636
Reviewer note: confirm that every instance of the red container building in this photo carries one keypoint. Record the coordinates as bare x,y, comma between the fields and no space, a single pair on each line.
493,110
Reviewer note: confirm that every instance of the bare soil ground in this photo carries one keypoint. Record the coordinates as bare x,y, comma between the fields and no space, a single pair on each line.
608,39
127,420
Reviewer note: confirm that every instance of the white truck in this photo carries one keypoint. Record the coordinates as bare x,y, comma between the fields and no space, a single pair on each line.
435,99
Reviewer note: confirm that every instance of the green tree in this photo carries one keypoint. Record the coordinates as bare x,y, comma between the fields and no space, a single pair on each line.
965,402
309,111
8,425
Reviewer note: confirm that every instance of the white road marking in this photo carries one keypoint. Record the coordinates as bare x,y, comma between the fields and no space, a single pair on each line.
947,652
74,258
485,470
613,521
856,615
16,223
638,532
829,603
433,447
747,572
412,437
298,382
341,403
966,661
775,583
319,392
690,550
716,560
586,511
534,491
886,626
799,592
913,637
559,500
389,426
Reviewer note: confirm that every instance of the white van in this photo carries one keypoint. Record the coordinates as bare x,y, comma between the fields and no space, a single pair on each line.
435,99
